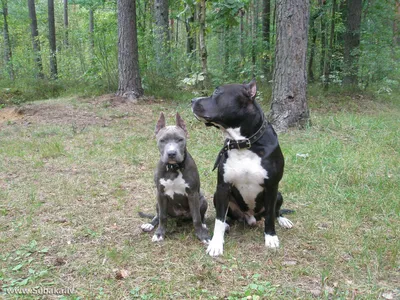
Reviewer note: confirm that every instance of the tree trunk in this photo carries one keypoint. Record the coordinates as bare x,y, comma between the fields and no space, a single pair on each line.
66,23
352,41
266,20
254,38
52,40
91,32
202,37
313,32
241,14
190,35
129,84
35,38
7,44
323,40
162,35
396,25
289,104
328,60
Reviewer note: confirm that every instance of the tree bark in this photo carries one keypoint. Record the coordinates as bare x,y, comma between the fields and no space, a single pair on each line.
162,35
7,44
129,85
289,104
328,60
352,41
91,32
266,20
396,25
66,23
52,40
202,37
35,38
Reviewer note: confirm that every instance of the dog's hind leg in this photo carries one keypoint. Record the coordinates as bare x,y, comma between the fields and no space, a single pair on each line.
282,221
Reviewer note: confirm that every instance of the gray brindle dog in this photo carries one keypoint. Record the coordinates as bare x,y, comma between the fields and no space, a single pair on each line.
177,181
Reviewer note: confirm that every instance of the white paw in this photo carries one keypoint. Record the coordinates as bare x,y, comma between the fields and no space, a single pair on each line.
204,225
251,220
227,227
285,223
147,227
271,241
157,238
215,248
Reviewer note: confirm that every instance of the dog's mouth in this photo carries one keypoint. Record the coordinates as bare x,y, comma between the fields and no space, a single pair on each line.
205,120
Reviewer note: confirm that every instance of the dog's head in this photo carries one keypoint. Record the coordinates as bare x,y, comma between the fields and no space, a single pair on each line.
228,106
171,140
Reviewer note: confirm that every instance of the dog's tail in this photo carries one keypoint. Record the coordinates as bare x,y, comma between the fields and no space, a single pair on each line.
144,215
286,211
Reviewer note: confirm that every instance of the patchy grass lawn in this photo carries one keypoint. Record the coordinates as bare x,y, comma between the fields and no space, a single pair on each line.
75,172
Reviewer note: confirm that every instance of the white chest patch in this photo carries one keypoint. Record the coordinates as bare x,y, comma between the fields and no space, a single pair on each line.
243,169
176,186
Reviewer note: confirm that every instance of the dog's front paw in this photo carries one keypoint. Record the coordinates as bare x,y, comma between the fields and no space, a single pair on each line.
147,227
271,241
157,238
215,248
285,223
202,234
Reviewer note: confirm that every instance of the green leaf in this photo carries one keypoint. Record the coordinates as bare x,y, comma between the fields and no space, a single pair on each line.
17,267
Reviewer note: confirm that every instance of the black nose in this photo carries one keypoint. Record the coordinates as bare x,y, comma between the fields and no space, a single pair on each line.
171,154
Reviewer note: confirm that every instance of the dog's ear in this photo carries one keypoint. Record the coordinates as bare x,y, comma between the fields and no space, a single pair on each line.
252,89
180,123
160,123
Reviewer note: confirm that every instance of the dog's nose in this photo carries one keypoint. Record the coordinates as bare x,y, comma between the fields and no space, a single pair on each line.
171,154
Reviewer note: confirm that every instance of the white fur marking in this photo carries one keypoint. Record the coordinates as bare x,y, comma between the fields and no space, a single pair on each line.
234,133
216,246
156,238
250,220
243,169
204,225
271,241
176,186
147,227
285,223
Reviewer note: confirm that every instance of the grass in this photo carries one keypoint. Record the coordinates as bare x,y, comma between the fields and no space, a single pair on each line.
73,178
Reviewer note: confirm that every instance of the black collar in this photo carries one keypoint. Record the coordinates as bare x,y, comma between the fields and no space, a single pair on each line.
176,166
241,144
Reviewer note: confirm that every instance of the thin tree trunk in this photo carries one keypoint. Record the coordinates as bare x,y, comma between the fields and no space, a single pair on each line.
66,43
352,41
254,38
7,44
35,38
266,20
289,104
162,35
327,65
313,32
323,40
91,32
129,85
202,37
241,14
52,40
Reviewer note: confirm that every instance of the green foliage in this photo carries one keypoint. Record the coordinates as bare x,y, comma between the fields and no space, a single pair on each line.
234,54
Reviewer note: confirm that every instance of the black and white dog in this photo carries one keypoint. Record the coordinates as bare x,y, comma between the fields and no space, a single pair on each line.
250,165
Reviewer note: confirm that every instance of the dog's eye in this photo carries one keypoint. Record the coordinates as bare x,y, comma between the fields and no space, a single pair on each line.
162,141
180,140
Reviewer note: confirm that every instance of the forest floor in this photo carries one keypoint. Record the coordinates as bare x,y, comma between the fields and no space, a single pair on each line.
74,173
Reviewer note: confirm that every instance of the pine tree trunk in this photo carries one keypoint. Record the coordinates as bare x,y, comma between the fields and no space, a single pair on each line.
352,42
52,40
129,85
328,61
202,37
162,35
266,20
35,38
289,104
7,44
91,33
66,23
